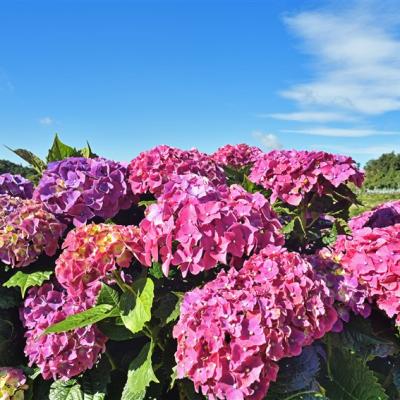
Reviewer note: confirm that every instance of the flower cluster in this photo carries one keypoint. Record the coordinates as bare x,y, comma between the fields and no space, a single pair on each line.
291,175
383,215
150,170
26,231
12,384
371,258
232,331
90,252
195,225
58,355
16,185
238,156
79,189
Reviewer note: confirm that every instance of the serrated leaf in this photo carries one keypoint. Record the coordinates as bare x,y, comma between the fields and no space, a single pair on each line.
60,151
9,298
140,375
136,308
25,281
69,390
289,227
108,295
169,308
351,379
30,158
95,381
248,185
156,271
82,319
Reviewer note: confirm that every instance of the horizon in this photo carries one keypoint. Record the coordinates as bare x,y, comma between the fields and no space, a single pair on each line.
200,74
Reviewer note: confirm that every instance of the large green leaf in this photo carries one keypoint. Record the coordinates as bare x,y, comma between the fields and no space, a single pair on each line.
25,281
351,379
30,158
140,375
82,319
95,381
60,150
65,390
168,309
108,295
136,308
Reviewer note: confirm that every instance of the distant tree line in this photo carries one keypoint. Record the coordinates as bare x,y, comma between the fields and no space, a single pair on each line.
12,168
384,172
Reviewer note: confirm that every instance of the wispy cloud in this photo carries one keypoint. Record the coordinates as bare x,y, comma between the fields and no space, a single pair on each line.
356,59
367,150
46,121
340,132
310,116
268,140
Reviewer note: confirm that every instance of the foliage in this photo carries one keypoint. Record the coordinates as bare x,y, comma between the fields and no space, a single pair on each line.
384,172
234,275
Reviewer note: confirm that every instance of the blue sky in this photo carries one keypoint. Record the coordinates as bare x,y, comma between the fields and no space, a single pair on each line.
128,75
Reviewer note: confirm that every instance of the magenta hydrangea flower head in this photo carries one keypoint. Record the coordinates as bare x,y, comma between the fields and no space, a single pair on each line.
292,174
12,384
78,189
26,231
371,257
233,331
236,156
16,185
195,225
59,355
91,252
385,214
152,169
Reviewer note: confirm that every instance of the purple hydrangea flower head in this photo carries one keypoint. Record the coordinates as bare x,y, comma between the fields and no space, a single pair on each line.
152,169
59,355
195,225
385,214
12,384
233,331
292,174
26,231
16,185
78,189
236,156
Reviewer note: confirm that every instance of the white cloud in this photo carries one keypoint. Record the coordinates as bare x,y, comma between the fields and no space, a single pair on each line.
309,116
340,132
368,150
268,140
46,121
356,59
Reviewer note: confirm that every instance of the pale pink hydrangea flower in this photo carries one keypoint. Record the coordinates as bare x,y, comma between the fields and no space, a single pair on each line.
91,252
151,170
59,355
195,225
236,156
12,384
233,331
292,174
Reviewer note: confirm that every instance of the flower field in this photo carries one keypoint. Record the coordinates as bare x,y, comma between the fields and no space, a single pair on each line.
236,275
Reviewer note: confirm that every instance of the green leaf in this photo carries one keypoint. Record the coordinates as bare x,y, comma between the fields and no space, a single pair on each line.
108,295
248,185
169,308
351,379
115,330
60,151
136,308
145,203
95,381
140,375
69,390
156,271
289,227
25,281
30,158
9,298
82,319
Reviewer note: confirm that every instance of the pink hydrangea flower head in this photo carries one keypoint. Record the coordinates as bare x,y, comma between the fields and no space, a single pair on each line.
233,331
91,252
292,174
12,384
26,231
371,258
79,189
385,214
152,169
237,156
59,355
195,225
16,185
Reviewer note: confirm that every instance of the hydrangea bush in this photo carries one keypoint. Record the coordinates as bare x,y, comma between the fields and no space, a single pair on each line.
236,275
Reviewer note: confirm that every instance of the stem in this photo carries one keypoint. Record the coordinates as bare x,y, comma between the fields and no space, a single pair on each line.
329,356
123,286
111,361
